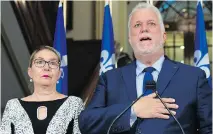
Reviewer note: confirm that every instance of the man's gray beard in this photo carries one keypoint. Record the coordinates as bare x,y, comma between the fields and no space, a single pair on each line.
151,51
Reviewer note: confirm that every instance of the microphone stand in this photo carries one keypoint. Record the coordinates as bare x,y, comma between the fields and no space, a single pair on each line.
149,85
118,116
152,85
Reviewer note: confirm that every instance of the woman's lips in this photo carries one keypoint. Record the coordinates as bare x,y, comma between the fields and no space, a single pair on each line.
45,76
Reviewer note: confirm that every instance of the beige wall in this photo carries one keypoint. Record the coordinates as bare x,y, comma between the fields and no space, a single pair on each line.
82,21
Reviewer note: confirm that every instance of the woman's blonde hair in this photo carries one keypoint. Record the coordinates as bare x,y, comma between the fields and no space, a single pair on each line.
42,48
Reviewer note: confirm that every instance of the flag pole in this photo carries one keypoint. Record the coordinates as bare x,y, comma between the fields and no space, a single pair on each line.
201,2
63,3
65,13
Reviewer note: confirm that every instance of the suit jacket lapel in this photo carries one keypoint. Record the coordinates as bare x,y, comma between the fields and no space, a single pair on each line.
169,68
129,76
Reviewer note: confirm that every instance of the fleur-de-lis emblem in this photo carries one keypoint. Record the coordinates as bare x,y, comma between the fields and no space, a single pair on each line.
64,61
63,64
202,62
62,73
107,61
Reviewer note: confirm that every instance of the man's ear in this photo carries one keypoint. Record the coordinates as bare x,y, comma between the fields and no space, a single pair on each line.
164,37
129,40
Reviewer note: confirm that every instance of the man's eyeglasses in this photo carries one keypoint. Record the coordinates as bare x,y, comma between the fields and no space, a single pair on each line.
41,63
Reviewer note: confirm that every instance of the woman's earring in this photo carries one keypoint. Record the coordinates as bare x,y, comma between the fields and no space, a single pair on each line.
57,82
31,80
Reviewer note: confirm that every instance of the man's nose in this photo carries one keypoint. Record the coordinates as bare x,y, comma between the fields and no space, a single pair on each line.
144,28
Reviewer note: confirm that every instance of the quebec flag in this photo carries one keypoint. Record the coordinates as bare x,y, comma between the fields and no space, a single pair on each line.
61,46
201,58
107,61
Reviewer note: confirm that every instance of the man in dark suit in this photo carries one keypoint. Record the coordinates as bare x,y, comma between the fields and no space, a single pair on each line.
184,88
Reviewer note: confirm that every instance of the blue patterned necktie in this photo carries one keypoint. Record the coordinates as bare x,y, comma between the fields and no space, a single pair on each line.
147,77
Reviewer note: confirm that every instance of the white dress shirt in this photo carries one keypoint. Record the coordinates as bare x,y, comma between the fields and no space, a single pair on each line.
139,80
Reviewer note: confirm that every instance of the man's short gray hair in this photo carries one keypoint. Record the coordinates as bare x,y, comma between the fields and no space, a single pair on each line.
144,5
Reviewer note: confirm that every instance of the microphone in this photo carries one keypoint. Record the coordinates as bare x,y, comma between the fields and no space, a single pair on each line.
118,116
152,85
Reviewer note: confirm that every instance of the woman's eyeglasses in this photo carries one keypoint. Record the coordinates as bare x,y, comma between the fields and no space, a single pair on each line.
41,63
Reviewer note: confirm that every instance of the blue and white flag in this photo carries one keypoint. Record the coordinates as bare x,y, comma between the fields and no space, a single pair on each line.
107,61
201,57
61,46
